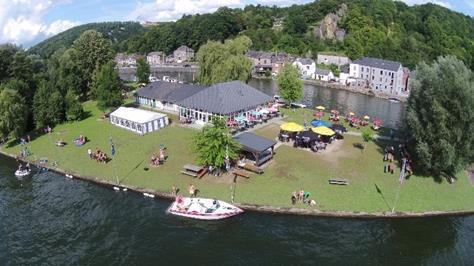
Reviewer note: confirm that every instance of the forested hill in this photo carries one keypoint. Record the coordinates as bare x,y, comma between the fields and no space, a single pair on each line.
117,32
378,28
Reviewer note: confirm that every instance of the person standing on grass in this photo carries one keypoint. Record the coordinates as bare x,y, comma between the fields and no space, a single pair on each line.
89,152
192,190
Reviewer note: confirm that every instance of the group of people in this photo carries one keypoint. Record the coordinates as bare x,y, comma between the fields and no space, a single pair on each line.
302,196
81,140
24,168
156,160
25,140
389,156
98,155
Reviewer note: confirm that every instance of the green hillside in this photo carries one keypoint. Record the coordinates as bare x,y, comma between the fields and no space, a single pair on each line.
116,32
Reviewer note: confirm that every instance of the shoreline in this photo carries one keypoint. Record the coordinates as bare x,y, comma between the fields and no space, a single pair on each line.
249,206
338,86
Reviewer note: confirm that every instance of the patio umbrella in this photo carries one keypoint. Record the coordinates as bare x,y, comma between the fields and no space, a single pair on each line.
322,130
338,127
351,113
272,110
308,134
256,113
264,111
336,112
366,117
378,121
292,127
318,123
320,107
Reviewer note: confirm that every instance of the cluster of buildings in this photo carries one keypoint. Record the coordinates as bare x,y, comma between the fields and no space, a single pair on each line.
181,55
377,75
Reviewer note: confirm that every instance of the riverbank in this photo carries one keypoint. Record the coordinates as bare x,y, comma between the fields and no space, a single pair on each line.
338,86
370,193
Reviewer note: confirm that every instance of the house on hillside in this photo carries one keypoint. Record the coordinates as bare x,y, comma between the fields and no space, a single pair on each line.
262,61
306,67
155,58
126,60
333,59
162,95
183,54
380,75
279,60
323,74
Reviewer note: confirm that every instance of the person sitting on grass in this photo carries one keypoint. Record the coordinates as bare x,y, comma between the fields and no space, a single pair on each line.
154,160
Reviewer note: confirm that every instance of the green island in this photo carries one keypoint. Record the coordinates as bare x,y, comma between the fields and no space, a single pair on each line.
370,190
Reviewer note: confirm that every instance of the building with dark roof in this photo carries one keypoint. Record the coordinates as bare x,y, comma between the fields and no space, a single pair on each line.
164,95
260,148
306,67
323,74
381,76
231,99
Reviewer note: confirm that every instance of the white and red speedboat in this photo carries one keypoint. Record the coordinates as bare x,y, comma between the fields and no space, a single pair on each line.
203,209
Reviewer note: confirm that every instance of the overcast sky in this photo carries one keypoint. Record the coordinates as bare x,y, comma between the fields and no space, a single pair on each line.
26,22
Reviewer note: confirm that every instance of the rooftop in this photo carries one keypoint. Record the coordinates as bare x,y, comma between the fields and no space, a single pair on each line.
305,61
378,63
254,143
321,71
184,48
168,91
226,98
136,115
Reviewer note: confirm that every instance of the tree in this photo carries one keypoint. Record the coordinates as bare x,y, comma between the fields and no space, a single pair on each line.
48,106
93,50
367,135
143,70
74,110
214,143
106,87
289,84
13,114
439,116
295,24
220,62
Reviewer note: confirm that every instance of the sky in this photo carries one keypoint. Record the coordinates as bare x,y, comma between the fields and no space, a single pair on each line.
26,22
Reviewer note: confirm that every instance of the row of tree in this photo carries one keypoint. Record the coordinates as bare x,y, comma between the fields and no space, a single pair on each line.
35,93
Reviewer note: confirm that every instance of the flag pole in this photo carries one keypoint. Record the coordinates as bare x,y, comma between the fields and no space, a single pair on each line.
112,150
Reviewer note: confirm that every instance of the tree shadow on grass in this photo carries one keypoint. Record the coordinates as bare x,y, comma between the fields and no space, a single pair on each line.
359,146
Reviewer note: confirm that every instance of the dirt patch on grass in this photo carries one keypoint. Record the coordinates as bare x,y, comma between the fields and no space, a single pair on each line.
227,178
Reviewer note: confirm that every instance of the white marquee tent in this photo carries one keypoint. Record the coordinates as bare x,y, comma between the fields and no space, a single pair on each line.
137,120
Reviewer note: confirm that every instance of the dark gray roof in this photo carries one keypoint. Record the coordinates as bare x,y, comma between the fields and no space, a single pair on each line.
305,61
378,63
321,71
226,98
168,91
254,143
259,54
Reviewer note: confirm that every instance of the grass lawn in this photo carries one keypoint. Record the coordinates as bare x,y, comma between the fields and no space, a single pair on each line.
300,115
290,170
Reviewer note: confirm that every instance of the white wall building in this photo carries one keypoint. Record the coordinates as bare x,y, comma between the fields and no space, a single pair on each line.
380,75
333,59
323,74
126,60
306,66
155,58
137,120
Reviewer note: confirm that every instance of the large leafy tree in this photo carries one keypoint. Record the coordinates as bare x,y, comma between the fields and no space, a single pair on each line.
48,106
143,70
439,116
106,88
214,143
220,62
74,109
13,114
93,50
289,84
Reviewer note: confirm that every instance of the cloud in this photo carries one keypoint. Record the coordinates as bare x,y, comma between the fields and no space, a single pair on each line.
443,3
21,21
165,10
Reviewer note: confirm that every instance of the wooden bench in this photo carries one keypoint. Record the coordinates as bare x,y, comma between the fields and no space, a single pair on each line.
252,168
189,173
335,181
240,173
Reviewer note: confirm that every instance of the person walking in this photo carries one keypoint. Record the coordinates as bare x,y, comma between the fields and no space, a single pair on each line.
89,152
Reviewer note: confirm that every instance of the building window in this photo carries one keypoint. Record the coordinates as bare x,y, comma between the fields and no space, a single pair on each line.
361,75
362,69
373,77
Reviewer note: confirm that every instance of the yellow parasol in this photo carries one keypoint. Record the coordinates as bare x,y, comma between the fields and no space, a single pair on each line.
322,130
351,113
366,117
291,127
320,107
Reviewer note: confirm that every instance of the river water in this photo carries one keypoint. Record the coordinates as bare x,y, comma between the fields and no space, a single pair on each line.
50,220
344,101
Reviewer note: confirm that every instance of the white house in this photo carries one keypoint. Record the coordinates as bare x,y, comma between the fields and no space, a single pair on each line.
323,74
380,75
333,59
155,58
137,120
126,60
306,67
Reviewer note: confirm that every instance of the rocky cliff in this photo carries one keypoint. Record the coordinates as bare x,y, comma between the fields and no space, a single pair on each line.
328,29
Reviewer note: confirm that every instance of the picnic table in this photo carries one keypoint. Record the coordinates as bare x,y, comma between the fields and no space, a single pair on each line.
240,173
193,170
252,168
338,181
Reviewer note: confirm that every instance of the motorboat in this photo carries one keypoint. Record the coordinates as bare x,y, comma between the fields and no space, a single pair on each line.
394,100
22,172
298,105
203,209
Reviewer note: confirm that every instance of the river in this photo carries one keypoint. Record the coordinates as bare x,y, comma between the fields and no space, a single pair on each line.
344,101
50,220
